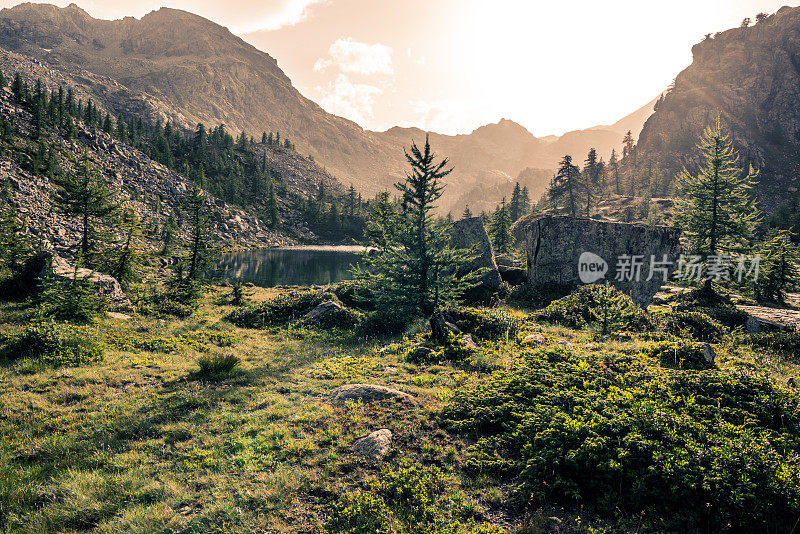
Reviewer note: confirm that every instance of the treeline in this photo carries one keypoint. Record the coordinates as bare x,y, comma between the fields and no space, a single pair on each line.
232,168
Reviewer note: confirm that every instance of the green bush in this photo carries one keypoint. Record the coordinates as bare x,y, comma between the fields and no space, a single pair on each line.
684,355
717,305
338,318
280,310
597,305
532,297
179,300
386,322
217,364
782,342
489,324
692,324
704,451
409,498
76,301
54,344
355,294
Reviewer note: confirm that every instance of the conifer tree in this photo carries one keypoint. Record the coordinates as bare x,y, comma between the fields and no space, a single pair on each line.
420,269
128,257
86,196
501,228
515,206
778,269
467,214
271,207
716,208
613,166
525,198
200,240
13,244
382,221
566,186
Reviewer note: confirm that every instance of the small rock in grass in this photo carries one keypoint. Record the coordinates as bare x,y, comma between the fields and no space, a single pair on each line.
709,355
367,393
374,446
468,342
537,339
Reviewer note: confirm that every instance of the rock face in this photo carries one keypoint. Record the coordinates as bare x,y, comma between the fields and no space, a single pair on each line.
323,311
367,393
374,446
60,270
750,77
471,234
568,251
511,271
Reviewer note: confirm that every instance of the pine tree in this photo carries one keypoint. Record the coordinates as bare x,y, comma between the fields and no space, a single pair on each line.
778,270
613,165
13,244
271,207
716,208
381,229
128,257
420,269
525,198
566,185
629,159
515,206
86,196
467,214
200,241
501,229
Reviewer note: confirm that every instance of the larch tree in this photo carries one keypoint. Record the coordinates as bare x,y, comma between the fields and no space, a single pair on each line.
566,186
501,228
85,196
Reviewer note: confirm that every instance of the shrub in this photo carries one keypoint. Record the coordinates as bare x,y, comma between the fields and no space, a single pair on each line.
355,294
386,322
691,324
599,305
704,451
59,345
783,342
489,324
716,305
280,310
678,355
337,318
217,364
407,499
535,297
179,300
76,301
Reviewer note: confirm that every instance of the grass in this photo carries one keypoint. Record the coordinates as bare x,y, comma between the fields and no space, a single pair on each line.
144,441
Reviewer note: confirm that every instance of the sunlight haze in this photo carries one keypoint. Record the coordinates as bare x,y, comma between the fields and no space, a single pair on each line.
550,66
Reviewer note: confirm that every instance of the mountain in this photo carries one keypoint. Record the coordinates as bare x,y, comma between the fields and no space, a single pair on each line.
750,78
177,66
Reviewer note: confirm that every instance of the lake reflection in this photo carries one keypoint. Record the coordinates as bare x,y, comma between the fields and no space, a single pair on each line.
290,265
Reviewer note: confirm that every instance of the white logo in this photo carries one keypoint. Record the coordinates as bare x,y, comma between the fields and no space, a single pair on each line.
591,268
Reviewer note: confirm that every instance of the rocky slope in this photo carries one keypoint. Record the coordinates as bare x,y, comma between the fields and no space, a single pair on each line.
750,78
191,70
151,189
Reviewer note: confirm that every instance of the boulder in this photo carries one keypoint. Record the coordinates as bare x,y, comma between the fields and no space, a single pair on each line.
534,339
367,393
707,351
60,270
564,252
441,324
471,234
374,446
330,313
421,353
511,271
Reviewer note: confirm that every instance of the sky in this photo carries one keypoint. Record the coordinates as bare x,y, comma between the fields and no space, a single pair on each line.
453,65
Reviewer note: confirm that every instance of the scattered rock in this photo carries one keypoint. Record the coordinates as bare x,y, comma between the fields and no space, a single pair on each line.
468,342
367,393
326,308
708,352
534,339
59,270
374,446
442,324
421,353
118,316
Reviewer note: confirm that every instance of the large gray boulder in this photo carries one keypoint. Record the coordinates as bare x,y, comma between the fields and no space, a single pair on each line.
565,252
59,270
471,234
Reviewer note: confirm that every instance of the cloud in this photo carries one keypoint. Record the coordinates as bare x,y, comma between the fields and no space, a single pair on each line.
355,57
286,13
350,100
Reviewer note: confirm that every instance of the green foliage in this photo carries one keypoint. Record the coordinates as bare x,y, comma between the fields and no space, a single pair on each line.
338,318
567,186
787,343
355,294
54,344
501,228
216,364
597,305
14,246
489,324
532,297
682,354
418,268
76,300
179,299
691,324
716,304
778,269
716,208
386,321
85,195
282,309
409,498
689,451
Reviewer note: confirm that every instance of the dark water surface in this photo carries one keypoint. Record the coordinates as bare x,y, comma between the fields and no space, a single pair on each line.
305,265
